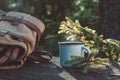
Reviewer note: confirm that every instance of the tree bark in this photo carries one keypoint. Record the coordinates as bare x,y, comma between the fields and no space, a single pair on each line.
110,18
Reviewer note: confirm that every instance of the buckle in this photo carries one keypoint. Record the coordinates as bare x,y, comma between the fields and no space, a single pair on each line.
3,32
16,20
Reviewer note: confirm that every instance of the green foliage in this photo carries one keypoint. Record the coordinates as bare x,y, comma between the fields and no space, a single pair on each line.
87,11
102,49
49,40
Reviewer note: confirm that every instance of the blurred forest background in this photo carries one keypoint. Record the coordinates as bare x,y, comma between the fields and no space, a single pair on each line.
96,14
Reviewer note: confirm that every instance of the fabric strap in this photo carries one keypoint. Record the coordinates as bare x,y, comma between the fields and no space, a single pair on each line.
38,56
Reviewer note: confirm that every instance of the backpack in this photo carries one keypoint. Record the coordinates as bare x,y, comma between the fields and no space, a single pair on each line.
20,34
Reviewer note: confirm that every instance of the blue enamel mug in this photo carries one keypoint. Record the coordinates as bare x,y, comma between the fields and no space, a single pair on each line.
71,48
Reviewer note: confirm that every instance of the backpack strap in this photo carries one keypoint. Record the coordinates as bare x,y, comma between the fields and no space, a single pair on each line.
40,56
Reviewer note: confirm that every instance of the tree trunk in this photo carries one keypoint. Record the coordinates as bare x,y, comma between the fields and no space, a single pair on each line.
110,18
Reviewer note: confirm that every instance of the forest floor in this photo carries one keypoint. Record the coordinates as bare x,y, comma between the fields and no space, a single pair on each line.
53,71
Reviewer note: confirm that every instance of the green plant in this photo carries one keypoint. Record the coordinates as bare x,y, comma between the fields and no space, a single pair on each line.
102,50
87,12
49,40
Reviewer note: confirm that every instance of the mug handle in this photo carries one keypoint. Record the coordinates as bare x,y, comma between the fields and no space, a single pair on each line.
87,49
